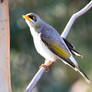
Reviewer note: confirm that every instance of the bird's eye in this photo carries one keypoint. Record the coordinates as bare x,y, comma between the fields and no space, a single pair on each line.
32,17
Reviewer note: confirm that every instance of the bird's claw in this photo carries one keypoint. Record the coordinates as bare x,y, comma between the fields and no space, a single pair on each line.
45,66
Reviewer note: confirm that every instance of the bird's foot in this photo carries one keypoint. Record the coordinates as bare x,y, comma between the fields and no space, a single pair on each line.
47,66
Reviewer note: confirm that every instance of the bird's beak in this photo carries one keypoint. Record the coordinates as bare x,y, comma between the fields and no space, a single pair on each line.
25,17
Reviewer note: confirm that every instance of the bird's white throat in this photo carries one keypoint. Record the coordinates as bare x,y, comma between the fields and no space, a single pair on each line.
33,32
41,47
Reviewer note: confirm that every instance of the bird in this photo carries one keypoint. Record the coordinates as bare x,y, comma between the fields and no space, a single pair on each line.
50,45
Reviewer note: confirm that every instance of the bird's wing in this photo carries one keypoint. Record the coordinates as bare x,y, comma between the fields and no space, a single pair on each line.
58,50
72,48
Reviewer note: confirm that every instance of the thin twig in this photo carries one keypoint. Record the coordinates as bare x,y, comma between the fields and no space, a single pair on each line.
64,35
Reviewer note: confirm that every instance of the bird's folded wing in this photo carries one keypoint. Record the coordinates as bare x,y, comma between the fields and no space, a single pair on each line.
72,48
57,50
61,53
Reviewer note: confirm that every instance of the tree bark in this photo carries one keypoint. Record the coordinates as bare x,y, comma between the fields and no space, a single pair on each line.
5,83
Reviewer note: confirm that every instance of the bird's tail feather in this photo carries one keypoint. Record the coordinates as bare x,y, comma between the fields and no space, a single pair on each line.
82,73
76,68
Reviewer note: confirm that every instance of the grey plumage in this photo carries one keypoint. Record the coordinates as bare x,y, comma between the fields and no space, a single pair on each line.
50,34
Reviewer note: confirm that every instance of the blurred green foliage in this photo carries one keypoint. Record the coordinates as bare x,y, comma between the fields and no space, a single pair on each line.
25,61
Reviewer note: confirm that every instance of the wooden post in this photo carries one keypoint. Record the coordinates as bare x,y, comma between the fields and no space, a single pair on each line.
5,84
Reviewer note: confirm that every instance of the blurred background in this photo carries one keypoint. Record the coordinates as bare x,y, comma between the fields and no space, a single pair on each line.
25,61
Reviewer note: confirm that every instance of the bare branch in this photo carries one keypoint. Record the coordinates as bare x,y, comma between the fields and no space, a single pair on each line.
74,17
35,79
64,34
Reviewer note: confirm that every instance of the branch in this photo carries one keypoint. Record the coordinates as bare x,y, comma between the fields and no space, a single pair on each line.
64,35
36,78
74,17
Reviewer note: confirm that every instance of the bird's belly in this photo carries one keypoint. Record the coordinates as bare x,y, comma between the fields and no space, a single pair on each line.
43,50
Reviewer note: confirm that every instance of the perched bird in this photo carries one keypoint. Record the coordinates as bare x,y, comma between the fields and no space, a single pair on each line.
51,45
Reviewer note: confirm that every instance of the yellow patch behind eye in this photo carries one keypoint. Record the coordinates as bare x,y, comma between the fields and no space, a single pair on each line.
37,25
33,17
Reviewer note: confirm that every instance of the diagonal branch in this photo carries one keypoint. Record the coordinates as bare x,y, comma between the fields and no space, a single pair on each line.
74,17
64,34
35,79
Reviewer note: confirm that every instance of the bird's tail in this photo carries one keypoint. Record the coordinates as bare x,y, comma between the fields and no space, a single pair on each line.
82,73
77,68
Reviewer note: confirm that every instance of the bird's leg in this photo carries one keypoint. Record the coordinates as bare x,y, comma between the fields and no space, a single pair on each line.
47,66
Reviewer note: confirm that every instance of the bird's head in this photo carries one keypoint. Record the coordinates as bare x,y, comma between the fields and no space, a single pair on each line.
32,20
